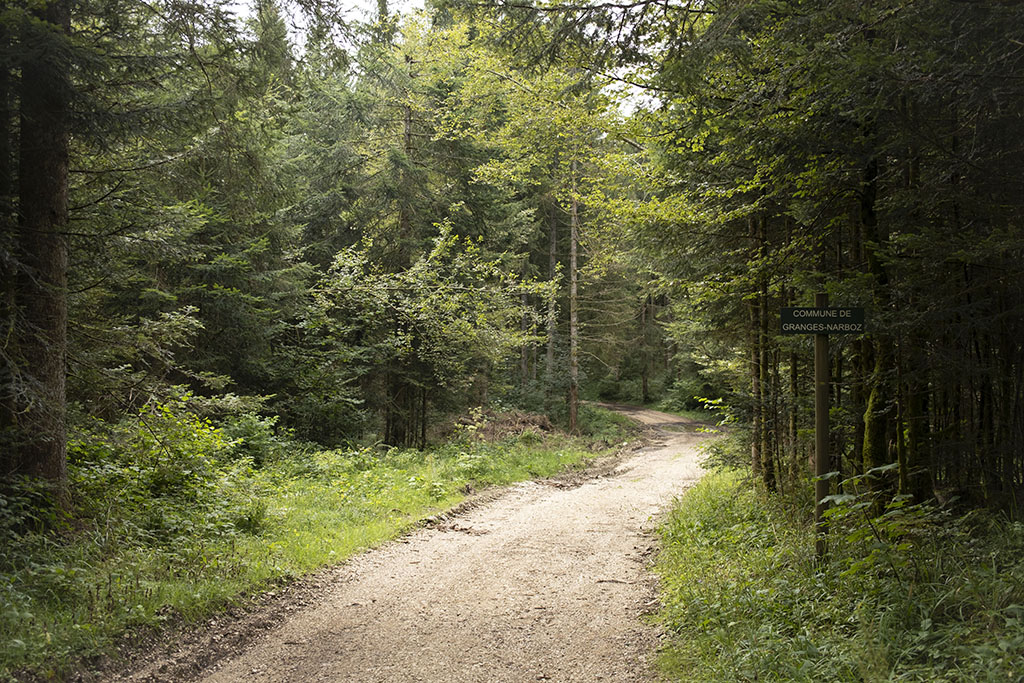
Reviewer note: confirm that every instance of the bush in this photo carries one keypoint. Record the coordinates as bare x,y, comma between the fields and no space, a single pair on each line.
167,473
256,438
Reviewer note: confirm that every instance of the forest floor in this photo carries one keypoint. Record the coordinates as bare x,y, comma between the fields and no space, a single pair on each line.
544,580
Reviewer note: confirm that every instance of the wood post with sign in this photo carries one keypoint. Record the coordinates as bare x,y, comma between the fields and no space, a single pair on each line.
821,321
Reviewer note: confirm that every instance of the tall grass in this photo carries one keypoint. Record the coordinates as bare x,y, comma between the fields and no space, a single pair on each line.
916,594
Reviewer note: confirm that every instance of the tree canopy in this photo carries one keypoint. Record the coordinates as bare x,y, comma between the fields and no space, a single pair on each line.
363,228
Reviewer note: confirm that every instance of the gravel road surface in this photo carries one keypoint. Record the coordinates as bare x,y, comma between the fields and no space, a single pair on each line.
549,581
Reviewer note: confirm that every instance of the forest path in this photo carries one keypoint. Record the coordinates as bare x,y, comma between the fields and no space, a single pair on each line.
547,582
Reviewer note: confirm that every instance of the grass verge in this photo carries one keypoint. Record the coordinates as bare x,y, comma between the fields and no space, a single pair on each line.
913,595
172,525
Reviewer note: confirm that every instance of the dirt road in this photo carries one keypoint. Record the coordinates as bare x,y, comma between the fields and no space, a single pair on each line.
544,583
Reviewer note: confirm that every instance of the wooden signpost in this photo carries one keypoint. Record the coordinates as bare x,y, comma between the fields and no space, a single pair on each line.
821,321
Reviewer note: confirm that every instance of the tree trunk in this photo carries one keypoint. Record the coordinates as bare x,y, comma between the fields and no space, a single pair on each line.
524,350
42,279
764,374
645,355
754,328
423,418
6,140
8,271
764,383
403,251
552,319
796,462
755,391
574,335
878,413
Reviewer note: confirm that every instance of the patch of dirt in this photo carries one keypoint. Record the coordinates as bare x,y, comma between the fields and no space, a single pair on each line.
541,581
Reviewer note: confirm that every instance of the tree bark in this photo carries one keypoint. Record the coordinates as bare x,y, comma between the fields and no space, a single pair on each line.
754,329
645,355
878,412
423,418
796,462
574,336
41,292
764,373
524,350
755,390
8,232
552,320
404,239
6,135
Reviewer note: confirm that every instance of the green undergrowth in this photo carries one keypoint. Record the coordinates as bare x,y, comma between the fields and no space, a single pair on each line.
915,594
175,519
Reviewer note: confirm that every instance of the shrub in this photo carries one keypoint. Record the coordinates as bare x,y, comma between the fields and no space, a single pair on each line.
167,473
256,438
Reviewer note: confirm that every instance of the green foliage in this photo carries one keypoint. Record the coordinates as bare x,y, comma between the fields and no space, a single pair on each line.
176,476
801,147
915,594
689,393
429,328
731,451
257,438
27,505
601,425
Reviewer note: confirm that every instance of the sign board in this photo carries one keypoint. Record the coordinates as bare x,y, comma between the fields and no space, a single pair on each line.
815,320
